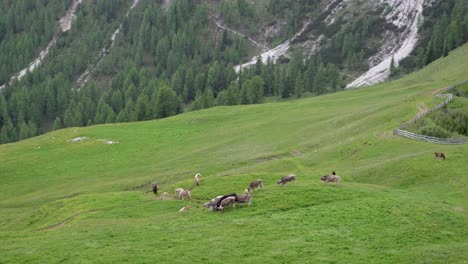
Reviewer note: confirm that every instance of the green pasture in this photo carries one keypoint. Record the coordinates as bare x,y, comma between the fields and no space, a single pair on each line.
87,202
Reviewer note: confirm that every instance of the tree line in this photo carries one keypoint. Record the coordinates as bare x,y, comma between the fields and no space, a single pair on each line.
166,62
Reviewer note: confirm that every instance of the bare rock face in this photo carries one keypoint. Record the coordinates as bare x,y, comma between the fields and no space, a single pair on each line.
402,17
406,16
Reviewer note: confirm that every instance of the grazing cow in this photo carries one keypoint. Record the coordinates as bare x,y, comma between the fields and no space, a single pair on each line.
185,208
197,179
331,178
229,201
286,179
224,197
244,198
439,155
164,196
177,191
154,187
255,184
185,193
212,204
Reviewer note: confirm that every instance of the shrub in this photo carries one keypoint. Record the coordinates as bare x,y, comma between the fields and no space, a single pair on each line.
435,131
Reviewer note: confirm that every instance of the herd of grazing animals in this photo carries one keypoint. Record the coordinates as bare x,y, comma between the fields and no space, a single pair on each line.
220,202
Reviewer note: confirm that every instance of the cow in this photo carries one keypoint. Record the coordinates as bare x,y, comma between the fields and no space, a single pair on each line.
212,204
164,196
244,198
439,155
197,179
331,178
185,193
154,187
218,204
229,201
177,191
255,184
286,179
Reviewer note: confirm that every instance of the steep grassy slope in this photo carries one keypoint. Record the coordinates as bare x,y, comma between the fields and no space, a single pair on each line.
86,202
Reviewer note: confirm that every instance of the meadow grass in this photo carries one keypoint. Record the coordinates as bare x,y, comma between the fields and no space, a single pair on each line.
87,202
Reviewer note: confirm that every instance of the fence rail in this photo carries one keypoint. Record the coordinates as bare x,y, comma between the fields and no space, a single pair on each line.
445,93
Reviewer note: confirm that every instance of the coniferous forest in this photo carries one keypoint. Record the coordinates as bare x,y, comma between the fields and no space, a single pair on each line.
170,59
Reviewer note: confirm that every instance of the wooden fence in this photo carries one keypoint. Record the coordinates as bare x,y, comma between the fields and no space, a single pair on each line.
401,132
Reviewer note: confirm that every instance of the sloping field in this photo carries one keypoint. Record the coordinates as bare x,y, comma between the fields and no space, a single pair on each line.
86,202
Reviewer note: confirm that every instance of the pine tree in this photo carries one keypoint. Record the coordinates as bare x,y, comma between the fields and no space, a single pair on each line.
142,108
57,123
167,102
24,131
189,91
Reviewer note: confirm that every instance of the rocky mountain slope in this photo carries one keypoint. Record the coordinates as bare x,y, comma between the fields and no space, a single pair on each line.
402,20
142,59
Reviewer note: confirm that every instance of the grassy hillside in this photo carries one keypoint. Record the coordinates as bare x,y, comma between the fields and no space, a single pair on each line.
86,202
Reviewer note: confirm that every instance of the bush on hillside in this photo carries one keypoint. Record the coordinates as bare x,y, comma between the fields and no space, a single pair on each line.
454,120
434,131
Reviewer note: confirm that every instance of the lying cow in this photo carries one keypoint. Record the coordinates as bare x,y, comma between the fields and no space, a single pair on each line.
229,201
244,198
331,178
286,179
164,196
255,184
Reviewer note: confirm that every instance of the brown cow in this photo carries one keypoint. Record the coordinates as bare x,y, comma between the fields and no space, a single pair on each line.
255,184
439,155
331,178
286,179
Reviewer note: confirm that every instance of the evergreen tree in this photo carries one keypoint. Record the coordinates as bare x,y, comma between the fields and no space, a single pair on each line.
57,123
24,131
167,102
142,108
